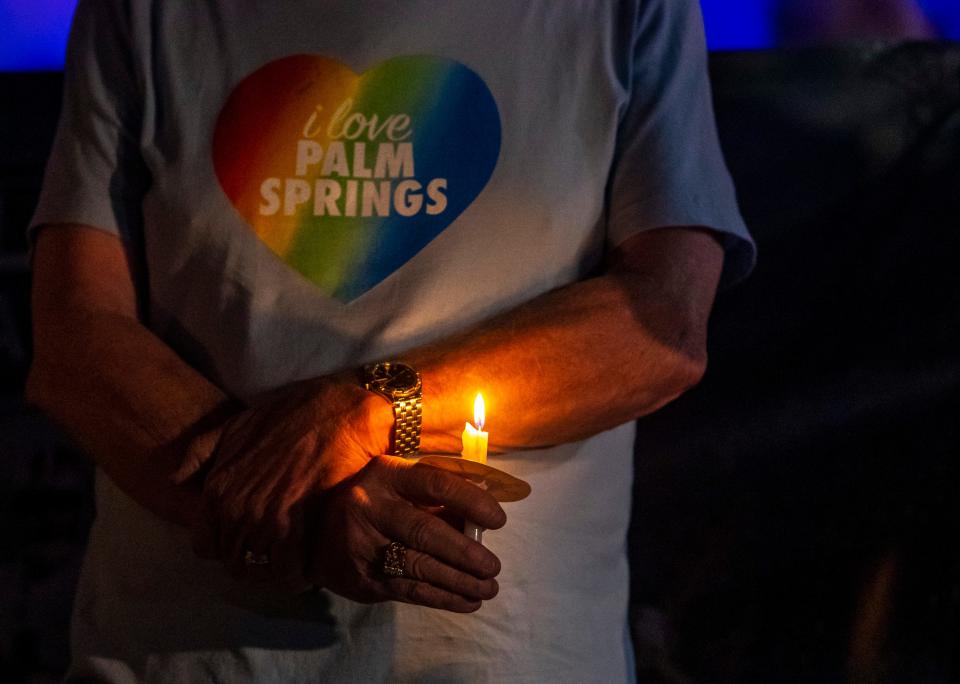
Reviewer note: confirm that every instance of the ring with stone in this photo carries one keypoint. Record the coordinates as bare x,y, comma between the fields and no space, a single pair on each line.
253,558
394,559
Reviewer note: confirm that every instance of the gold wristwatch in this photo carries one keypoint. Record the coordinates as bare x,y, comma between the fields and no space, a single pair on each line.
401,386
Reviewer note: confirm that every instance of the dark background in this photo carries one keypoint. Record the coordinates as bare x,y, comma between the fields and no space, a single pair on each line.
796,515
45,498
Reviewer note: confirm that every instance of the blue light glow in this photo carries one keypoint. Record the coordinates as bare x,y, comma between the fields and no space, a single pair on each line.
946,15
751,24
33,33
739,24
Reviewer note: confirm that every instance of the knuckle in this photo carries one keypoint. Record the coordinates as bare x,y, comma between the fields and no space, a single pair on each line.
437,484
489,511
464,584
358,497
498,517
421,593
417,566
463,548
420,531
444,485
401,588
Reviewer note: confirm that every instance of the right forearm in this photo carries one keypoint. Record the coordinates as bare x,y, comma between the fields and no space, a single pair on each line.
129,401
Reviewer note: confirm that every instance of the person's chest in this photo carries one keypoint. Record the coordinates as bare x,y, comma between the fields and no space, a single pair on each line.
404,167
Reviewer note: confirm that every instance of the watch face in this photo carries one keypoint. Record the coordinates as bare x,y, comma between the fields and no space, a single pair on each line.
396,379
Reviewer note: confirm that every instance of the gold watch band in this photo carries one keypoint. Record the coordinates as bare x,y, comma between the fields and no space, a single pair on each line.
399,384
408,417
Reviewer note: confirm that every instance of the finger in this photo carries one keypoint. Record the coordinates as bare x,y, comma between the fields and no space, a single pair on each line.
424,594
206,532
427,533
232,548
280,545
426,568
426,485
252,561
223,527
243,542
449,517
288,560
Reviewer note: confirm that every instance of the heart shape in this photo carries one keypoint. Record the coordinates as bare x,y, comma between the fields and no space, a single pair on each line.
347,177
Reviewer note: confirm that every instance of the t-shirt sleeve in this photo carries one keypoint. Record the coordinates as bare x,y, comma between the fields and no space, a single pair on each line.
95,174
669,170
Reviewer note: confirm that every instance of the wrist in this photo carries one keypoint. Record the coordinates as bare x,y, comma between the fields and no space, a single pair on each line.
378,416
195,448
399,384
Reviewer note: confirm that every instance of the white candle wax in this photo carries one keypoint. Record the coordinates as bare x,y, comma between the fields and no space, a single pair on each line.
474,441
474,444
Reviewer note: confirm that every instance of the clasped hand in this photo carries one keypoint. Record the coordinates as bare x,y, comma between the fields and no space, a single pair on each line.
299,477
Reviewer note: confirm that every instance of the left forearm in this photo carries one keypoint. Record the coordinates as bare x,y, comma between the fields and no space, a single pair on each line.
583,358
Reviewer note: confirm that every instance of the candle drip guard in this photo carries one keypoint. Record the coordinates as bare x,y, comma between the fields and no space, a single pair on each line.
501,485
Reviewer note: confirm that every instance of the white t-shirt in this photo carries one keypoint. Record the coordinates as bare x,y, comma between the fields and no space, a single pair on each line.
304,187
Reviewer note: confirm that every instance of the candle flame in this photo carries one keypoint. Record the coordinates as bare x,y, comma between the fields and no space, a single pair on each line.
479,412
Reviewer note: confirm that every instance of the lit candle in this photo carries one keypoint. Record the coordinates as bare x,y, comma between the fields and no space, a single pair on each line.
474,438
475,449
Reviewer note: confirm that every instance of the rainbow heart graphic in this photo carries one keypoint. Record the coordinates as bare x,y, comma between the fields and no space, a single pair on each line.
347,176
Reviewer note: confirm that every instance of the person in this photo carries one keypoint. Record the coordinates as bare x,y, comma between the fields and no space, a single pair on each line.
255,211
